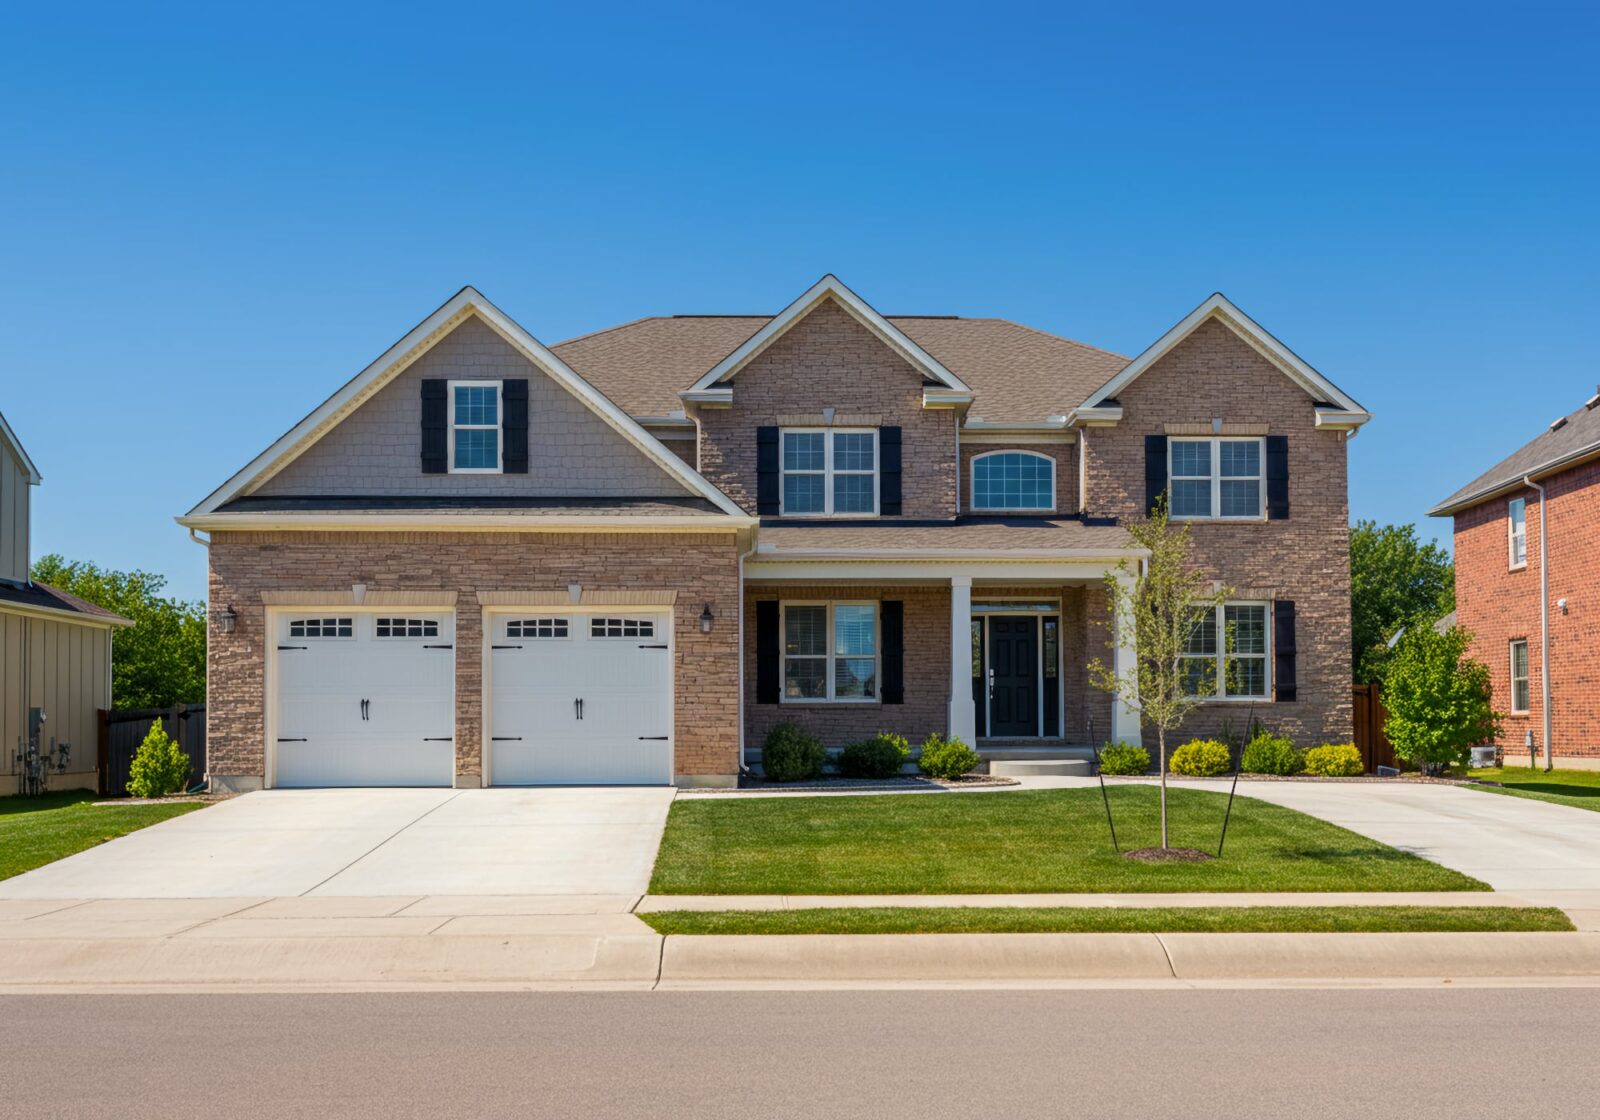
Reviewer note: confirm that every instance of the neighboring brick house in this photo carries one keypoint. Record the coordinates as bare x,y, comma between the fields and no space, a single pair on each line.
1550,487
626,557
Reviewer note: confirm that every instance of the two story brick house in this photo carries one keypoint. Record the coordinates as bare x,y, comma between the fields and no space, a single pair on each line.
1525,563
626,557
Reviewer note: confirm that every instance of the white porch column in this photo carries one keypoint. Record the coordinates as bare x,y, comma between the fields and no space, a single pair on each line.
963,714
1124,711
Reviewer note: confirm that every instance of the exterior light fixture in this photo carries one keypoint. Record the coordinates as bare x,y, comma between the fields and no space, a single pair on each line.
226,619
706,619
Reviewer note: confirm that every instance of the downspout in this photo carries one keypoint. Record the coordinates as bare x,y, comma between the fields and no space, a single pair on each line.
1544,615
959,472
744,767
1083,472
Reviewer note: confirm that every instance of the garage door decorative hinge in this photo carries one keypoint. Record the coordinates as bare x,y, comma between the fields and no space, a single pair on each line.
505,647
662,646
293,647
439,647
291,740
440,739
505,738
654,738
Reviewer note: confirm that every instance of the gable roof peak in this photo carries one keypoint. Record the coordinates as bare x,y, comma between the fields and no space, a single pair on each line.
10,439
830,287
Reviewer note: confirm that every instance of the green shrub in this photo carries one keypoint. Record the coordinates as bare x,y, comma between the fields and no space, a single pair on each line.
792,754
946,758
1334,760
159,767
1202,758
1272,754
881,756
1119,758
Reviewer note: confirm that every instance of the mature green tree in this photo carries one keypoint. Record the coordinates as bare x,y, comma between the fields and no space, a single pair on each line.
158,661
1159,601
1395,581
1438,699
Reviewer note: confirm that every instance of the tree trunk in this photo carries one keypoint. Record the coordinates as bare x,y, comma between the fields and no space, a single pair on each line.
1161,746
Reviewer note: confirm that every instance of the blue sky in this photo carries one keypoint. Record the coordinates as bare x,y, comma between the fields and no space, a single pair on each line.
214,216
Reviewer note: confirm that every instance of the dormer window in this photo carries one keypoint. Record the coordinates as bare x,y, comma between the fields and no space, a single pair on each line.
1013,481
475,427
830,472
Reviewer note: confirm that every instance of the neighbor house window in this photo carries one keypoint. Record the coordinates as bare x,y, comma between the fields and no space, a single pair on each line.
1225,656
830,471
1215,478
475,427
1013,480
830,651
1519,677
1517,531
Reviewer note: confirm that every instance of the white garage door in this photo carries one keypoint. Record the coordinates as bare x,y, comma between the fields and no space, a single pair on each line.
581,700
365,699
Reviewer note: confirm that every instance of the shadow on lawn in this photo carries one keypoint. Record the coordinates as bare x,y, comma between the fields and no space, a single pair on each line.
56,799
1560,788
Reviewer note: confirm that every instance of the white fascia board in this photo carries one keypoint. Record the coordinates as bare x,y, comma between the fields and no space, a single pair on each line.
709,398
1220,307
415,343
1095,416
22,455
1338,419
829,287
466,522
933,397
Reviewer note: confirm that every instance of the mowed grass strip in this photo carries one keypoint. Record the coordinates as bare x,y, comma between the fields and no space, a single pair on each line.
35,831
1577,788
1107,919
1020,841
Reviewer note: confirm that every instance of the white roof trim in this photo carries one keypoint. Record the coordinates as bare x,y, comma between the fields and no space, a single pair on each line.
466,522
1220,307
16,445
829,287
420,339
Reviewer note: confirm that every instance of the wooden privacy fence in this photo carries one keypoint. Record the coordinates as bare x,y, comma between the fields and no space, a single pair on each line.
122,732
1369,720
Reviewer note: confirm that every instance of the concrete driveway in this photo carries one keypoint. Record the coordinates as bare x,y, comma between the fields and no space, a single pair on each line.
377,842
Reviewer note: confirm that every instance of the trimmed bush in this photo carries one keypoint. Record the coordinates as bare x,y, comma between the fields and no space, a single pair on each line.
946,758
792,754
881,756
1272,754
158,767
1119,758
1335,760
1202,758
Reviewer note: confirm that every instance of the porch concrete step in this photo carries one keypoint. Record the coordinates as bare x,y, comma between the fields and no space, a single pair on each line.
1015,753
1045,767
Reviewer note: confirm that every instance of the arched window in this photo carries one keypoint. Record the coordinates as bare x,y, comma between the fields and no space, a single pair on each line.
1013,480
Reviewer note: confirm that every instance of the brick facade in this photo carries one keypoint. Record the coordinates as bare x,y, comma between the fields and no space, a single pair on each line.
1214,374
1498,604
701,567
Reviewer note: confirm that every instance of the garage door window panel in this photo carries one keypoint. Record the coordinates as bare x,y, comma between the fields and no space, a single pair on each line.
538,628
322,627
407,628
622,628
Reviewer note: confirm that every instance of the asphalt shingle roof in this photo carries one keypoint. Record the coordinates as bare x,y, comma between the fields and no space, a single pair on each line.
1578,436
42,595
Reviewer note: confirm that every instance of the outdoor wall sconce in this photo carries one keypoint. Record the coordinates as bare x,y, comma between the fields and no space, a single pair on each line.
226,619
706,619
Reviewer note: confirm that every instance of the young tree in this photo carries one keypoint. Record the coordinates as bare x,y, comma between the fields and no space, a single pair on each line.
158,661
1438,699
1159,602
1395,581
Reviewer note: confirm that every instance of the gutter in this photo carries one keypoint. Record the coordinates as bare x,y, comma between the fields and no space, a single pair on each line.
1544,614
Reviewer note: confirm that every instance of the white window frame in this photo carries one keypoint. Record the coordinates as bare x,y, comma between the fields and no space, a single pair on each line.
1527,677
829,656
498,427
972,482
1222,655
828,471
1216,443
1516,533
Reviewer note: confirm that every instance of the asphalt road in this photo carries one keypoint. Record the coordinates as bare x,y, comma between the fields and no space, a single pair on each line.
1093,1054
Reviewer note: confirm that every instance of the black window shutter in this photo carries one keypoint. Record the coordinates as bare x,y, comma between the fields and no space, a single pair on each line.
1283,683
514,425
435,426
891,624
1278,479
767,667
889,475
1155,470
767,504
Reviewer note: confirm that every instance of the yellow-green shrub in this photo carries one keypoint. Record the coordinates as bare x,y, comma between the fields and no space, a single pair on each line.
1334,760
1202,758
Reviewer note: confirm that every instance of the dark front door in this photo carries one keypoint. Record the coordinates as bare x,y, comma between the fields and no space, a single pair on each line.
1014,665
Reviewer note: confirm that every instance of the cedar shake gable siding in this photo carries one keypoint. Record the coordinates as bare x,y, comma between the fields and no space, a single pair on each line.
376,449
1216,374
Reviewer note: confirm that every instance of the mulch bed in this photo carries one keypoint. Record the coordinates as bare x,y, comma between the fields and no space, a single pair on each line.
1167,855
887,785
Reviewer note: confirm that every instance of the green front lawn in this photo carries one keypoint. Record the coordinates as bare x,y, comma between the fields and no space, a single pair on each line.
1024,841
1108,919
35,831
1578,788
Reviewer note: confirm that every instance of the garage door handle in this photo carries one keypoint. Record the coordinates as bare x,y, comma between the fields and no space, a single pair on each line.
654,738
661,646
291,740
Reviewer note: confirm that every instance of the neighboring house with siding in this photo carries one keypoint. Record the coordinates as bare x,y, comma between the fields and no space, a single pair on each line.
626,557
55,649
1550,485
